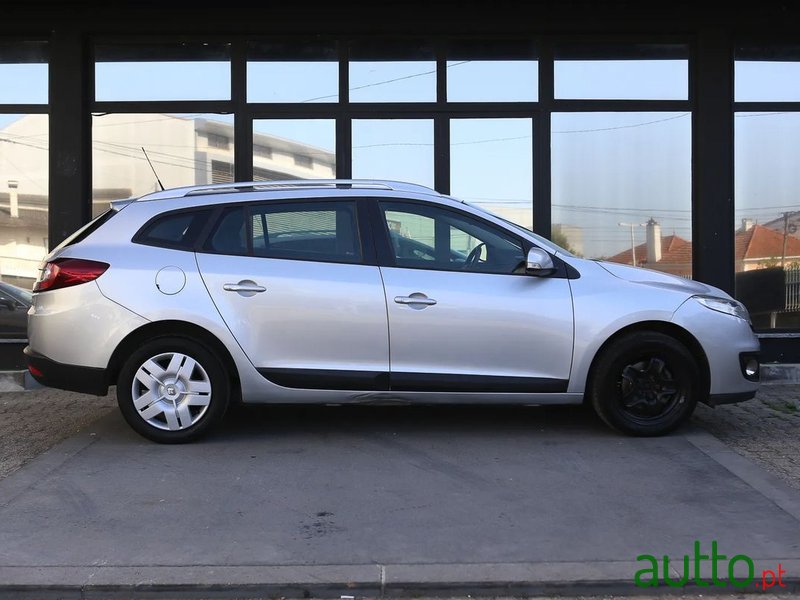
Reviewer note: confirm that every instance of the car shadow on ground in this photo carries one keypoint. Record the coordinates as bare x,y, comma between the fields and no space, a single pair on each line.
247,421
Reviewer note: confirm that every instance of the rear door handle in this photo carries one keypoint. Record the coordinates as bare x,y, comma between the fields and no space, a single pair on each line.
244,287
415,298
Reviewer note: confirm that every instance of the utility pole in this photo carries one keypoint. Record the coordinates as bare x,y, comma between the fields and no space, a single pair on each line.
785,236
633,242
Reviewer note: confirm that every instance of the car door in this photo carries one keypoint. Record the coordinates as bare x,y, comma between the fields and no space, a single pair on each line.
291,280
463,315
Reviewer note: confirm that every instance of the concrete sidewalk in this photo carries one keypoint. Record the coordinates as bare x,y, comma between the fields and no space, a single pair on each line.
383,501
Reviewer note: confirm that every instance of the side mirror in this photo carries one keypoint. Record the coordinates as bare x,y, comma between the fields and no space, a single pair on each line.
539,263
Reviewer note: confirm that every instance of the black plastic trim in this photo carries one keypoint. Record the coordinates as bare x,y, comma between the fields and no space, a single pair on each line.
325,379
744,357
74,378
717,399
439,382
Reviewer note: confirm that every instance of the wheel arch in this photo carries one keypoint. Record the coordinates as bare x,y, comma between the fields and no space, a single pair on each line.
671,329
172,328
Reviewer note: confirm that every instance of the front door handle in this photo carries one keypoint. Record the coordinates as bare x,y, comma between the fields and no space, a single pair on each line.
245,287
416,298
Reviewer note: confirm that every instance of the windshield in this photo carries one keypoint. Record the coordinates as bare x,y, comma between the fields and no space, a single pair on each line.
543,241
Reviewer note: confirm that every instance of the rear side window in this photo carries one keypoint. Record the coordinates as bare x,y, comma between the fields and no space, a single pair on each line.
322,231
177,230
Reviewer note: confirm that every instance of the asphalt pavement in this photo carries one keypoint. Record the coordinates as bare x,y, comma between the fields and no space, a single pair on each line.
392,501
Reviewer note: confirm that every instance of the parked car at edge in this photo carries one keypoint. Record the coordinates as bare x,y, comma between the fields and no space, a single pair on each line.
14,304
366,292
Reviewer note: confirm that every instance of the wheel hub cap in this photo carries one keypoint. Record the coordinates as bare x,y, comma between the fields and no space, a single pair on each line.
171,391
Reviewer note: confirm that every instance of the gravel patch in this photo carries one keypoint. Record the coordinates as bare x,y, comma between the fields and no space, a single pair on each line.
31,422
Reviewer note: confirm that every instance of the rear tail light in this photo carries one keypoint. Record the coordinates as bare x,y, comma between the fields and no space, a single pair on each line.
66,272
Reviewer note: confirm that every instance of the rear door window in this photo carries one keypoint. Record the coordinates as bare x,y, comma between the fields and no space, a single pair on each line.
320,231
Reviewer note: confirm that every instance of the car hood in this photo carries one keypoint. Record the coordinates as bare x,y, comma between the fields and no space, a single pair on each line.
659,279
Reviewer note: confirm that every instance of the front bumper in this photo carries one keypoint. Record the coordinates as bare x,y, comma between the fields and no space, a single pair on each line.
74,378
718,399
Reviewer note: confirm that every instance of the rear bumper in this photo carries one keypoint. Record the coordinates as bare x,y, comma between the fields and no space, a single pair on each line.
75,378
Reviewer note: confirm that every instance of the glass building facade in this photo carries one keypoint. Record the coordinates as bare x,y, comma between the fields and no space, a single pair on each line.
666,144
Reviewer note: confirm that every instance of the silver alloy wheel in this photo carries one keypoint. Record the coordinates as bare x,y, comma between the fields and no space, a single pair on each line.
171,391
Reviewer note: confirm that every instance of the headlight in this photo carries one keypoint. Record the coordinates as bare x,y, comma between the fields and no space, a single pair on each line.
723,305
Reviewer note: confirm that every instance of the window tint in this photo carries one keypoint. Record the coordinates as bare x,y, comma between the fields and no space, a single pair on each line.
229,235
434,238
177,230
325,231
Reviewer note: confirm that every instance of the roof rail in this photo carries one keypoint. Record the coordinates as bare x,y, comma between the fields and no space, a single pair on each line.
254,186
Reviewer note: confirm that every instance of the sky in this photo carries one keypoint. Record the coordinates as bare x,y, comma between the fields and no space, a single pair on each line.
607,168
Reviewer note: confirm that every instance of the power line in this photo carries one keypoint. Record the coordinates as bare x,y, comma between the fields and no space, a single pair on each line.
384,82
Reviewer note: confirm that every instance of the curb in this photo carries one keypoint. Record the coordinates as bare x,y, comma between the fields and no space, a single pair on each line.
777,373
18,381
611,578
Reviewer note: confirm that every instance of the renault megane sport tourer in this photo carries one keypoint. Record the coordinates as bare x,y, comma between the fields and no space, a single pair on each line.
354,291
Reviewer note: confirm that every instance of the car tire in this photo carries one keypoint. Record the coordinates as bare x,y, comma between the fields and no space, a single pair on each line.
645,383
173,390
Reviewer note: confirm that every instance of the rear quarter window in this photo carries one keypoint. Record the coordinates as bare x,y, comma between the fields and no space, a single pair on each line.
177,230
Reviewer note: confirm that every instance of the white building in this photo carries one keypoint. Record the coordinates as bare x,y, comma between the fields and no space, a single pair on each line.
183,150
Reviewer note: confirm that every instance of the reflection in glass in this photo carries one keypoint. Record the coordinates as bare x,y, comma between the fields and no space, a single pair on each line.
622,79
294,149
292,81
491,164
399,149
23,73
23,197
492,80
184,149
767,192
768,81
621,188
163,80
393,81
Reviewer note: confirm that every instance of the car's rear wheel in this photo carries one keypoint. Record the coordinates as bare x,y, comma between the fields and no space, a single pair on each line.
173,390
645,383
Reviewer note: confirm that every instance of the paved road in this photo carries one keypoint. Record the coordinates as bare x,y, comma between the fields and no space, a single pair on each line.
392,495
766,430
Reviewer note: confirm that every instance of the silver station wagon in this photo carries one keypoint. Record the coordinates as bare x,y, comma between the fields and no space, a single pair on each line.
367,292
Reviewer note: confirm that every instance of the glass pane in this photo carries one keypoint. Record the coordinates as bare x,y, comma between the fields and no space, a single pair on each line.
621,188
622,79
396,81
400,150
430,238
23,197
292,81
23,71
322,231
194,71
767,194
492,80
767,81
191,149
294,149
491,164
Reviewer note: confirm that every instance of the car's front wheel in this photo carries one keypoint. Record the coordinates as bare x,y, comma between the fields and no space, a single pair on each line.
173,390
645,383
